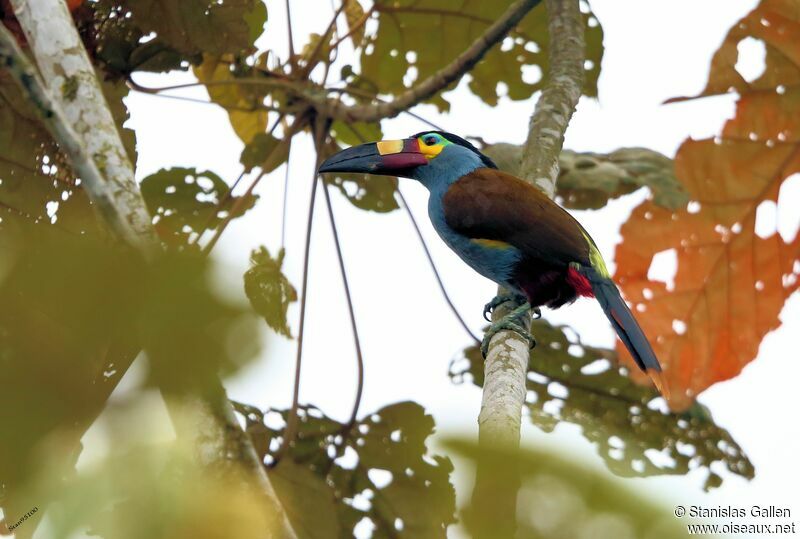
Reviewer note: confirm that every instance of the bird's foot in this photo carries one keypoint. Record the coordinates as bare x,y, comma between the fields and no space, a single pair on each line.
510,322
499,300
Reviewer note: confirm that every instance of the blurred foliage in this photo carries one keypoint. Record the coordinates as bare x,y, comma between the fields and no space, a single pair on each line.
334,477
414,40
268,289
587,180
185,203
561,498
732,279
156,491
73,306
634,433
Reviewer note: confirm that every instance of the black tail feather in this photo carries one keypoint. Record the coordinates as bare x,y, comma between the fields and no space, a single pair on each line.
624,323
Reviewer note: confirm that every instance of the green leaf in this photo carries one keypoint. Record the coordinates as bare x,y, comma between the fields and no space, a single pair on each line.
304,494
379,469
354,13
268,289
120,45
428,36
356,133
261,148
194,26
575,383
184,201
243,103
364,191
589,180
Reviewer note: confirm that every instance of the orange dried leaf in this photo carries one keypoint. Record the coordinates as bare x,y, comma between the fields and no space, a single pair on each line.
731,283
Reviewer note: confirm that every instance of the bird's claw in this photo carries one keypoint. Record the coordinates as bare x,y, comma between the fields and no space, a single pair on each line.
510,322
505,325
499,300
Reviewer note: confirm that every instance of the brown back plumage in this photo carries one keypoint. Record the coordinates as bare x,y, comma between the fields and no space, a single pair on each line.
491,204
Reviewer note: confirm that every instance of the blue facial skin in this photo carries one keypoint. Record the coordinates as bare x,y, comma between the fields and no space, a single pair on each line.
453,162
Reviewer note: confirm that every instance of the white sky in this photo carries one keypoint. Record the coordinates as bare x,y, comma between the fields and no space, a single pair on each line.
653,51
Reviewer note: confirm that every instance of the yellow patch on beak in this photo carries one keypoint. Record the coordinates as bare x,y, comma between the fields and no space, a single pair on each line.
388,147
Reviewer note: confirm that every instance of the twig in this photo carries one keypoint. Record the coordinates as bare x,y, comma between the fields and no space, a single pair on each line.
237,204
374,96
284,205
312,58
507,360
291,421
433,267
350,310
290,34
353,29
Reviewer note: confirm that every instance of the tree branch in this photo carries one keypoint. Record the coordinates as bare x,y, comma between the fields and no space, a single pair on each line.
73,87
53,118
435,83
506,363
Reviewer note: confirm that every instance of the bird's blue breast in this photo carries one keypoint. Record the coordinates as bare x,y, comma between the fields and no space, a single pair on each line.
493,260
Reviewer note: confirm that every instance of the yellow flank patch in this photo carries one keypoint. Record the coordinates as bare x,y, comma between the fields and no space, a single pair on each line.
388,147
492,244
595,258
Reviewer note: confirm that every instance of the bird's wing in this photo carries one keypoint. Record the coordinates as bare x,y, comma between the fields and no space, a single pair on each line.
490,205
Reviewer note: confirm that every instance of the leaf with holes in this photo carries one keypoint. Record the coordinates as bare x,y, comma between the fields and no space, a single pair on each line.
268,289
265,151
774,24
380,470
195,26
415,40
184,202
571,382
733,274
587,180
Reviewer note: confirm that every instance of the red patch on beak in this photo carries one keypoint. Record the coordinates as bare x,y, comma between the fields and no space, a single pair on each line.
403,160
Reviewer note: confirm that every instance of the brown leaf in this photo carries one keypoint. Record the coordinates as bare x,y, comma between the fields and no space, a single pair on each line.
731,282
777,24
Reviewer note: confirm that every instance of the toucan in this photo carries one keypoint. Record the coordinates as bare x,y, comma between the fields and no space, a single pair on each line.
505,229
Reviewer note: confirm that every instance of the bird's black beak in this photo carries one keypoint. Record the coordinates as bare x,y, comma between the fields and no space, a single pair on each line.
388,157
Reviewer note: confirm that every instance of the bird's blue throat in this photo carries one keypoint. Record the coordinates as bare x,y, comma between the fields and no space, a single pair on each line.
493,262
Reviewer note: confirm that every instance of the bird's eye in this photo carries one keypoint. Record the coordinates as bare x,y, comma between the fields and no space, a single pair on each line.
430,140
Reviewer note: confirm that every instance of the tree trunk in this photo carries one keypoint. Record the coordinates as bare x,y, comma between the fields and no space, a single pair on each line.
504,388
